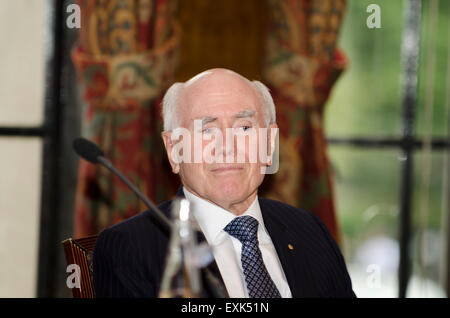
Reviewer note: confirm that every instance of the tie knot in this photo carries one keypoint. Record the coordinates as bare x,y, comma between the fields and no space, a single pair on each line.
244,228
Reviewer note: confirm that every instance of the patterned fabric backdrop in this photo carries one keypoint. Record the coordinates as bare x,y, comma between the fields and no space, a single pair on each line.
302,64
125,60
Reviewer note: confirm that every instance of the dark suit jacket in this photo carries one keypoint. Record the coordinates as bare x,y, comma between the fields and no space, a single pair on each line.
129,257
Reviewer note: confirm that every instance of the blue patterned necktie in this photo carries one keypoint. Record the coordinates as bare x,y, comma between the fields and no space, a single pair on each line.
259,283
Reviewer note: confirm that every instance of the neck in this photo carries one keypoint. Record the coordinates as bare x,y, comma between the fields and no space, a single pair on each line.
239,208
235,207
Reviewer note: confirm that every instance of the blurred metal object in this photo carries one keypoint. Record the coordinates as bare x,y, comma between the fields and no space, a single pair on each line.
181,278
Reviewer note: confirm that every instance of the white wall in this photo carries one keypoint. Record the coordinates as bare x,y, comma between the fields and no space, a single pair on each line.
21,103
21,61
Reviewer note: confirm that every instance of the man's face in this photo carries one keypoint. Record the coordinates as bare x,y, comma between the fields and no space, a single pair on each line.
222,104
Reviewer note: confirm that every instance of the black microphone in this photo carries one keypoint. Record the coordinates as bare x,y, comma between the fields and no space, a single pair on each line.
89,151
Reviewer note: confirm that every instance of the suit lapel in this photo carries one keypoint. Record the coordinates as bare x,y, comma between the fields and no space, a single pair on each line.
288,249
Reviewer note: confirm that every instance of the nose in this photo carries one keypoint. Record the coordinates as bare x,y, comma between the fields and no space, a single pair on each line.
227,147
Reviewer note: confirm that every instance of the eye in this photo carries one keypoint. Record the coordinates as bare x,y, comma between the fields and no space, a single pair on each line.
245,128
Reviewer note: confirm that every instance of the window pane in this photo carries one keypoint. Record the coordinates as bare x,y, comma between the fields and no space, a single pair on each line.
425,281
20,190
440,69
367,193
21,62
366,100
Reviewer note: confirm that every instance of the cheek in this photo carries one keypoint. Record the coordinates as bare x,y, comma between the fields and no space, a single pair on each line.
192,173
256,177
246,148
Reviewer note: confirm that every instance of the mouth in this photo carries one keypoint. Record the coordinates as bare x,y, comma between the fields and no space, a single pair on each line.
224,169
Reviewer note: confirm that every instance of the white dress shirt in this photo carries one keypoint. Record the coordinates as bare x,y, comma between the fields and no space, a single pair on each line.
212,219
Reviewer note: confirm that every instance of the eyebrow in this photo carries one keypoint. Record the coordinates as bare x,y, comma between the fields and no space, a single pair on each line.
207,119
242,114
245,113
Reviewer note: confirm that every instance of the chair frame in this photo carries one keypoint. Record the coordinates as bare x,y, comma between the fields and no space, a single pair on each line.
79,251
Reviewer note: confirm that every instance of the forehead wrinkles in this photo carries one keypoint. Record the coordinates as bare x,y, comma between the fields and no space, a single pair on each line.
211,91
219,94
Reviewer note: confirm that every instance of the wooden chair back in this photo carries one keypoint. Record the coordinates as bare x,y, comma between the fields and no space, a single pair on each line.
80,252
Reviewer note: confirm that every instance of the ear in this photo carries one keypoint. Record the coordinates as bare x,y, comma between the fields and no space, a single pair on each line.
169,144
271,139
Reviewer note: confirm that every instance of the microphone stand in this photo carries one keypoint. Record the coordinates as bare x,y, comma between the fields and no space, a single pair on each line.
165,222
212,284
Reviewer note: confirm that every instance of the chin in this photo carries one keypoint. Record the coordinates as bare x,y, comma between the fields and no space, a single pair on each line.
229,190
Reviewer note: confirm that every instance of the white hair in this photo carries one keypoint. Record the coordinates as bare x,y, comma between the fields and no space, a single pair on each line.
170,111
269,106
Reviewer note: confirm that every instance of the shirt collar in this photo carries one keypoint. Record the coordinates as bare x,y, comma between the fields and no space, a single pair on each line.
212,219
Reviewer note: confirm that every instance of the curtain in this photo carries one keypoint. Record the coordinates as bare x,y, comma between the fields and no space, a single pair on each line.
302,64
125,59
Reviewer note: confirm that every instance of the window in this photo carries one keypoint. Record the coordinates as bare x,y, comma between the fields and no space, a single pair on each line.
373,153
21,114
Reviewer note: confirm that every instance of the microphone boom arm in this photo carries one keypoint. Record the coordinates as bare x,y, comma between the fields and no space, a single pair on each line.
214,286
165,222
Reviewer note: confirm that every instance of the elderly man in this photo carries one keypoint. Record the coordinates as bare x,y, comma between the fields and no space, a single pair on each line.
262,248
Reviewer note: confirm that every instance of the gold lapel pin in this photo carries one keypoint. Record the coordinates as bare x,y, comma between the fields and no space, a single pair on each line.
290,247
